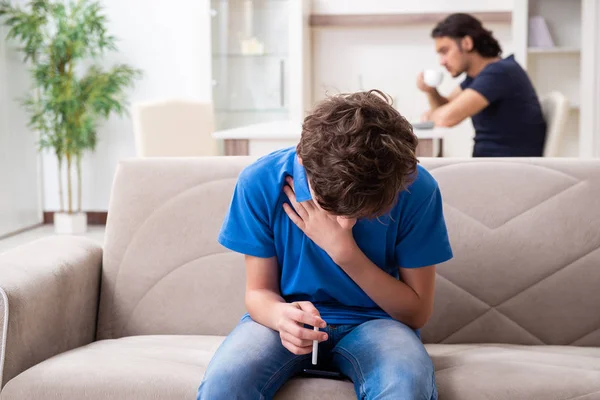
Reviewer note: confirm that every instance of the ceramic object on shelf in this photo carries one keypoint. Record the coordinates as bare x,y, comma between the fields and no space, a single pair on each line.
252,46
539,34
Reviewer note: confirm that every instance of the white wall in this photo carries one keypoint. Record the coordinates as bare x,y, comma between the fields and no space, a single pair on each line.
389,59
19,178
170,42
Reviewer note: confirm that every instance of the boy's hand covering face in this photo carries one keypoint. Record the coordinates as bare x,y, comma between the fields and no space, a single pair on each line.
331,233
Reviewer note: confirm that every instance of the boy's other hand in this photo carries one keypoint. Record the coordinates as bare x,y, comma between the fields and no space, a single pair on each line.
331,233
290,324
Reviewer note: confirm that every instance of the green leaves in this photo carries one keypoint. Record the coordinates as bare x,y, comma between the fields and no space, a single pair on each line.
57,39
68,102
103,91
26,27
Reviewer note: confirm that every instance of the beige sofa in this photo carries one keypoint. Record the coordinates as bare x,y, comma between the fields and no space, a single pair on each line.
517,313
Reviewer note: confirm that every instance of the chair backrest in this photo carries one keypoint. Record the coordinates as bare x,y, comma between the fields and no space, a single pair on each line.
524,233
174,128
555,107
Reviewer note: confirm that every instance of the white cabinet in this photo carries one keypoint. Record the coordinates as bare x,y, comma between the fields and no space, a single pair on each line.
589,143
260,60
561,67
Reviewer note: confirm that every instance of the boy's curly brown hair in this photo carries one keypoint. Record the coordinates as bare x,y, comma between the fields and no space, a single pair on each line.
358,153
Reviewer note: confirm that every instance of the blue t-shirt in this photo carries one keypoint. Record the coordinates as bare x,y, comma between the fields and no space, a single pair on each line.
512,125
412,235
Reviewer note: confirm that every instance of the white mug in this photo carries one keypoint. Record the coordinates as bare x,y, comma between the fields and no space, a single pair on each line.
432,77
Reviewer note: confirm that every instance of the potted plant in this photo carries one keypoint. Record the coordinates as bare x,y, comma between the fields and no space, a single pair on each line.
68,101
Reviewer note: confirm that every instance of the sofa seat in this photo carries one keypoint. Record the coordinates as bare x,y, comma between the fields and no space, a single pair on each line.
171,367
499,371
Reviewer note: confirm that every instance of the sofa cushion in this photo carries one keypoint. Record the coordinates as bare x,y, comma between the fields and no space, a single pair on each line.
499,372
171,367
140,367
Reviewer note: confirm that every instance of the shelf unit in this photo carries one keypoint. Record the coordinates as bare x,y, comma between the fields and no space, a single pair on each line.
554,50
397,19
558,68
259,63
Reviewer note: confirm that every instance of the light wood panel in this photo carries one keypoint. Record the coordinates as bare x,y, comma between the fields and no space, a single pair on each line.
379,20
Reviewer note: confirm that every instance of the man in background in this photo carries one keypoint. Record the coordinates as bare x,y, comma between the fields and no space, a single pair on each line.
496,93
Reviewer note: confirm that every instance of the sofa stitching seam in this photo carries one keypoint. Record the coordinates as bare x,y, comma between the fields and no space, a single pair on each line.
514,296
187,263
142,223
583,395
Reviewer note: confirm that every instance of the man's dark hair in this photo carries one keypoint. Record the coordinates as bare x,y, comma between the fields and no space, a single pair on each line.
358,153
457,26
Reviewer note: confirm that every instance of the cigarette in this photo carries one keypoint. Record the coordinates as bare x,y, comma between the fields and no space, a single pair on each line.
315,351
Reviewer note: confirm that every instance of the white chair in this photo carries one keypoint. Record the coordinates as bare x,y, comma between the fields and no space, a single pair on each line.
555,107
174,128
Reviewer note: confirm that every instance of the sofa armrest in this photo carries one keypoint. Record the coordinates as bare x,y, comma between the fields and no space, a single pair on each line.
49,292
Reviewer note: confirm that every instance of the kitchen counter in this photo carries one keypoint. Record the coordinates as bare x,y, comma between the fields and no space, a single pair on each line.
261,139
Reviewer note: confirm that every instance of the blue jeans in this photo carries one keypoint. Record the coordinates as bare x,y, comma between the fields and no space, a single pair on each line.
383,358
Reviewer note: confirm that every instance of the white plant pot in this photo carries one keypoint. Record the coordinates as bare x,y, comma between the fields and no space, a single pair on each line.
70,224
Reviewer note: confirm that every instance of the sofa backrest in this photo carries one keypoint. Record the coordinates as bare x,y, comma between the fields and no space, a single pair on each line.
525,233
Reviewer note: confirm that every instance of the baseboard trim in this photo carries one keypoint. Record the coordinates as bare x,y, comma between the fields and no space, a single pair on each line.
93,217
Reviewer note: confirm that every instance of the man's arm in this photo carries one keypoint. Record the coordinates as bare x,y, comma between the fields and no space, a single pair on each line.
409,300
465,105
436,100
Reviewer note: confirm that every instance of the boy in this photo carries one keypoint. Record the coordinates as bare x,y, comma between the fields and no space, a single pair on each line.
342,233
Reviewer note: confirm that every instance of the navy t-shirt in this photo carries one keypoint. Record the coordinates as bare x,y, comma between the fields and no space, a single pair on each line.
512,125
412,235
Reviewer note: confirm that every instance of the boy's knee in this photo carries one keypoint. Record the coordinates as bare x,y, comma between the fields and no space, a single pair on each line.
419,380
410,380
228,383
